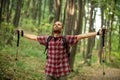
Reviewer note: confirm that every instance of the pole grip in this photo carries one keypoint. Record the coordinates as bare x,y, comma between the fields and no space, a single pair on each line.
103,36
22,33
18,38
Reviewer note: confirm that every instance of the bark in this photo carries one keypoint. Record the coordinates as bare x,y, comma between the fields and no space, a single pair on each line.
77,31
27,12
8,11
39,11
34,9
1,8
64,17
51,6
11,8
44,9
57,8
110,38
90,40
85,19
17,13
119,39
70,22
84,41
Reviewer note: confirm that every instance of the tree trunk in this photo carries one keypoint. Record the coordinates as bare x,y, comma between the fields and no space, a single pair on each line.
119,39
51,6
8,11
57,8
34,9
44,9
101,46
17,13
84,41
27,11
90,40
77,31
110,37
3,10
64,17
70,22
39,11
1,7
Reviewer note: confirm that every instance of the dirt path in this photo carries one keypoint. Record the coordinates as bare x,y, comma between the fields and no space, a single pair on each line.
97,74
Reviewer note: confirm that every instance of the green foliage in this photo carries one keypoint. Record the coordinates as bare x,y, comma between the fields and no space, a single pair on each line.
45,27
6,32
115,56
28,25
115,38
30,64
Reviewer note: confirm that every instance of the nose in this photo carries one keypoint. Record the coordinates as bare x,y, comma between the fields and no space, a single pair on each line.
56,25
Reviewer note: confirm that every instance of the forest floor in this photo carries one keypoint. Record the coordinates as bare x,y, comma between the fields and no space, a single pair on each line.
81,72
96,73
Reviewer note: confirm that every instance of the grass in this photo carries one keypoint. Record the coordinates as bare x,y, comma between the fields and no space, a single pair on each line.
30,64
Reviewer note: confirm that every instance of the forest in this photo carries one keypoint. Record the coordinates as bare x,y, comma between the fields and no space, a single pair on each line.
89,59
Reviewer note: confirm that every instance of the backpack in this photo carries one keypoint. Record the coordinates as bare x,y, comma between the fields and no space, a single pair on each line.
65,44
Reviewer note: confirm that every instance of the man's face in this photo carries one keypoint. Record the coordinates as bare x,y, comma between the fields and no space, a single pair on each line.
57,27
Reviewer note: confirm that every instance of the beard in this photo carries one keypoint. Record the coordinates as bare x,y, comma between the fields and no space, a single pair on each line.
57,31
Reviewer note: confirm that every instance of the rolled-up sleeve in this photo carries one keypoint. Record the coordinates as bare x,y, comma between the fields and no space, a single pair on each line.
72,39
42,39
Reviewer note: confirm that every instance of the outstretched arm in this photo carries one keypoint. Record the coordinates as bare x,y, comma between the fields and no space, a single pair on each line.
91,34
87,35
30,36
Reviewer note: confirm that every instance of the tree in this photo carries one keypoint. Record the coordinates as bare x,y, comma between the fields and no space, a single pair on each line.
91,41
78,30
8,11
17,13
57,8
34,9
70,17
27,8
1,7
39,11
44,8
51,11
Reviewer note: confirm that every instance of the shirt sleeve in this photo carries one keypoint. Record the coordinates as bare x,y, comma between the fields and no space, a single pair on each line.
42,39
72,39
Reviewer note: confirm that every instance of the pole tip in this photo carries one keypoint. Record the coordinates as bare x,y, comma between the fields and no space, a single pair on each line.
16,59
103,73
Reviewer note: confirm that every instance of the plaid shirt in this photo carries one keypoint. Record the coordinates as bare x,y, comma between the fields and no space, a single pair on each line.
57,62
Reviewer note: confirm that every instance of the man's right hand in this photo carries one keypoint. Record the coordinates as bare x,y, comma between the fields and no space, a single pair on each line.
20,32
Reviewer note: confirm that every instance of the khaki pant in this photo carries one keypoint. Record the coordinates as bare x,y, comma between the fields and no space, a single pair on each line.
56,78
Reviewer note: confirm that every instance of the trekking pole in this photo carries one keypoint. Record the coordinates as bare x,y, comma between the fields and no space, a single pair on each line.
103,45
16,56
18,39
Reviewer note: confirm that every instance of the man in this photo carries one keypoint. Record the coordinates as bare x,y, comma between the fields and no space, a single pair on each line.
57,65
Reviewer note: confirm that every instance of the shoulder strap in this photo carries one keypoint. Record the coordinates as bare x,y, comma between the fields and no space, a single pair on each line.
48,39
65,44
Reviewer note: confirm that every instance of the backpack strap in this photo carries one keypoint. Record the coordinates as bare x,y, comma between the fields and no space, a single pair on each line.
48,39
65,44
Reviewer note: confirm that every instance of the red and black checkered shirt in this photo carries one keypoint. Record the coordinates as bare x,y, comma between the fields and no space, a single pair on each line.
57,63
